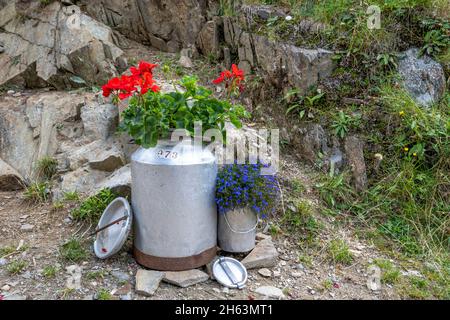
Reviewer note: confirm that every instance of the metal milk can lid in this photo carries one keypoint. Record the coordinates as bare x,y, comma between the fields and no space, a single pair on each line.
113,228
230,272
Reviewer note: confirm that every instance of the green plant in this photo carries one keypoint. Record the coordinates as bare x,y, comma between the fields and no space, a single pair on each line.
38,192
71,196
307,102
437,36
390,274
227,7
66,293
4,251
104,294
96,275
49,271
339,251
343,123
387,61
151,117
92,208
73,250
16,266
327,284
47,167
57,205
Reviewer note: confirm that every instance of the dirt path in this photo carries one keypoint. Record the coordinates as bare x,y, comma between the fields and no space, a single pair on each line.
316,279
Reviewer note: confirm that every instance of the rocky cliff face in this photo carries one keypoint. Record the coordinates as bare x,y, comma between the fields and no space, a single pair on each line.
55,45
167,25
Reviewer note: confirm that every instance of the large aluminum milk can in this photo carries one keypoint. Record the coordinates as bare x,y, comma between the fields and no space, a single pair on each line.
173,200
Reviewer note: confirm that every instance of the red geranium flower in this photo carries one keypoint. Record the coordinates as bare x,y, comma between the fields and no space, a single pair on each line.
140,80
233,79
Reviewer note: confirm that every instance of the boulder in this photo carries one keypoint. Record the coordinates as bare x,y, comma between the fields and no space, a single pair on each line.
310,141
56,45
10,179
167,25
423,77
119,182
100,121
208,40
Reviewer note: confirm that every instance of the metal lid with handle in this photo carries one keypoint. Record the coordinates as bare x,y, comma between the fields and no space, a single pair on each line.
113,228
230,272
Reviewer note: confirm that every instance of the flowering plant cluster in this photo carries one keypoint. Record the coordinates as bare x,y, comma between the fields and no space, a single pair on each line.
233,80
151,114
242,185
140,81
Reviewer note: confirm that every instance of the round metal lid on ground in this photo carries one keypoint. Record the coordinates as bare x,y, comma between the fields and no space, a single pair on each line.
230,272
113,228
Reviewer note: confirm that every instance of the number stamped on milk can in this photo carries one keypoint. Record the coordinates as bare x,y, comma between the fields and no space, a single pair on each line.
167,154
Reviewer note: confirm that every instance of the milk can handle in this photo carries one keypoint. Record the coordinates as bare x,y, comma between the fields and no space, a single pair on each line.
241,232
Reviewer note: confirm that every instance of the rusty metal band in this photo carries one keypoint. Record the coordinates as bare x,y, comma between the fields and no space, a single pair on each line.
175,264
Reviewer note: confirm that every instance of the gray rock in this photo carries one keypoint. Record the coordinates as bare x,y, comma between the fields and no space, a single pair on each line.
185,278
120,275
73,280
423,77
109,159
10,179
374,278
185,62
3,262
6,288
169,25
147,282
270,292
265,272
99,121
52,49
311,140
15,297
119,182
264,255
208,40
127,296
26,227
354,152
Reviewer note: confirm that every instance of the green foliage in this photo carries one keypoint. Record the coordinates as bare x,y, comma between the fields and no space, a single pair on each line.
92,208
301,104
49,271
96,275
16,266
437,36
6,250
228,7
152,117
339,252
46,167
71,196
390,274
38,192
104,294
343,123
73,251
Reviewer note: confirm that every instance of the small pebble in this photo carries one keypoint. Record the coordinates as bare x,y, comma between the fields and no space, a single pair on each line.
265,272
27,227
6,288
